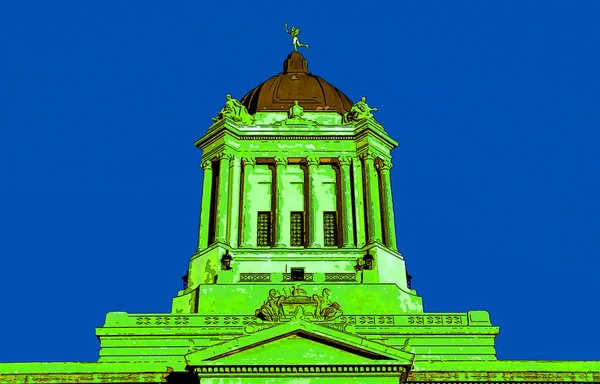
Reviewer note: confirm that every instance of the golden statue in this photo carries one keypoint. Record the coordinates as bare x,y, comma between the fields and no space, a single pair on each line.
294,33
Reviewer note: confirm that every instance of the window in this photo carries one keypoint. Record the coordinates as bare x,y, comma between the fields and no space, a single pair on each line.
264,229
297,274
297,229
330,226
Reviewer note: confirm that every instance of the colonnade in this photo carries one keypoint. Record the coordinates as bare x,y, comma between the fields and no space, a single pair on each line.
370,211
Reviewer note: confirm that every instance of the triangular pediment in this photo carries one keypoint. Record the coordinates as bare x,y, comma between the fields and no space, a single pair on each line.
299,342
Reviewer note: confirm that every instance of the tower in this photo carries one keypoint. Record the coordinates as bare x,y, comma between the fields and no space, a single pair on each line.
301,195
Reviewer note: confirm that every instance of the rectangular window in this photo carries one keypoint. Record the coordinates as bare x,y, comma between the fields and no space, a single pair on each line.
297,274
297,229
330,226
264,229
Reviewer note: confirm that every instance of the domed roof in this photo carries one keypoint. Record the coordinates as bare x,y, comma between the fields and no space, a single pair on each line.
279,92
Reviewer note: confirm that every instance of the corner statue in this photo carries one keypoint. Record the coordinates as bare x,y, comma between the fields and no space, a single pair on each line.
359,111
294,33
236,111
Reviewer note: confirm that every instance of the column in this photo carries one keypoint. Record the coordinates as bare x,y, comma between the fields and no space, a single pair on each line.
313,202
359,203
234,200
388,205
205,208
248,163
223,198
347,221
372,198
280,164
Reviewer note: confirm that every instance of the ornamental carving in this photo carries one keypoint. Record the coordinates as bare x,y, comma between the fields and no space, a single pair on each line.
206,164
384,165
251,161
279,160
312,160
344,160
368,155
298,305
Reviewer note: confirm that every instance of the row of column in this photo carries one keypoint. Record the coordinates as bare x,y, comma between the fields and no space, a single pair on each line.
228,201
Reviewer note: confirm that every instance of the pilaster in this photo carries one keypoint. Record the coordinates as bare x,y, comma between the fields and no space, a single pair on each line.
346,195
205,210
313,163
388,205
248,164
225,158
372,198
234,200
359,203
280,164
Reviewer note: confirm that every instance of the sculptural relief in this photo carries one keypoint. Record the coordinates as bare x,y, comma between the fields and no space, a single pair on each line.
298,305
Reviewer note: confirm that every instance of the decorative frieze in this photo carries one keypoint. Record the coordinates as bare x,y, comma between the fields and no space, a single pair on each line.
67,378
429,320
340,277
358,320
255,277
307,277
416,377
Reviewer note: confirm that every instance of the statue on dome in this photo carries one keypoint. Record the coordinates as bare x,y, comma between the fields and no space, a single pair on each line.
359,111
294,33
271,310
236,111
326,309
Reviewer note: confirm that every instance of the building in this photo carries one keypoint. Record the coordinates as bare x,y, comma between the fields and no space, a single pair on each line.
297,277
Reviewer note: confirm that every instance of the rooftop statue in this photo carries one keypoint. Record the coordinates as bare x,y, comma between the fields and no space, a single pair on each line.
359,111
236,111
296,111
294,33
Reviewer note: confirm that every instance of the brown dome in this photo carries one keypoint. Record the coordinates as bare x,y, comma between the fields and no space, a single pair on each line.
280,92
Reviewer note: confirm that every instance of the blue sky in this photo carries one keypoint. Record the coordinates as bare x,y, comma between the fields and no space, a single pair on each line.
496,180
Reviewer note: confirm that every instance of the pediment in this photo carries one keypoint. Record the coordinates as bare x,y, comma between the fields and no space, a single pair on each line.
299,342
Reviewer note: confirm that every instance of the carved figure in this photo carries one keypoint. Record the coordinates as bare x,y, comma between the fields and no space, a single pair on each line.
294,33
359,111
298,291
359,265
210,272
271,310
236,111
326,309
296,111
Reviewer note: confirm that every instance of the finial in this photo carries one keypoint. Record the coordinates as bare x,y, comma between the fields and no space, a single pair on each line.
294,32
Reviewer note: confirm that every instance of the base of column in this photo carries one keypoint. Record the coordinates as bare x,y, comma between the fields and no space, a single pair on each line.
314,245
349,245
280,245
246,245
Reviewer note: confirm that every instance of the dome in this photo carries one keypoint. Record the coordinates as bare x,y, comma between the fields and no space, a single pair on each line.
279,92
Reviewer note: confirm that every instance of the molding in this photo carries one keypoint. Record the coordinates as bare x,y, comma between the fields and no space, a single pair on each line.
386,369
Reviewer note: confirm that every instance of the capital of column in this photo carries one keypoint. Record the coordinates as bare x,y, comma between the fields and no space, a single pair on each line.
312,160
384,165
344,160
206,164
280,160
368,155
225,155
251,161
